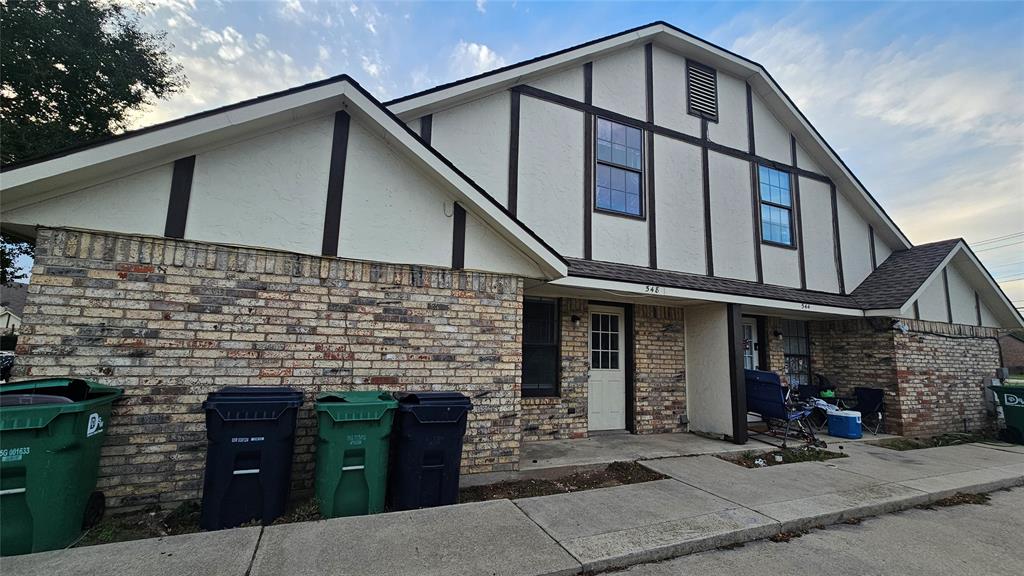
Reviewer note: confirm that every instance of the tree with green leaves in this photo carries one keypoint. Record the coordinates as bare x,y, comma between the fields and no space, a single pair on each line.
72,71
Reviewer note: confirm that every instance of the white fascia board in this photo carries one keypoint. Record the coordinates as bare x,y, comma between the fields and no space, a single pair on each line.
179,138
481,206
1012,315
685,294
931,278
464,92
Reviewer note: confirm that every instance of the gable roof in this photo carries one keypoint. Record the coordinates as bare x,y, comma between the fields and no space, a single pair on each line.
680,41
170,140
893,283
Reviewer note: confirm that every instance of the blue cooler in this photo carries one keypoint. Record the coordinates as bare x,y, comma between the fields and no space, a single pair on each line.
844,424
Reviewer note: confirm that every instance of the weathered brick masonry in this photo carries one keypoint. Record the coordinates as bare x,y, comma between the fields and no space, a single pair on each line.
933,375
171,321
659,378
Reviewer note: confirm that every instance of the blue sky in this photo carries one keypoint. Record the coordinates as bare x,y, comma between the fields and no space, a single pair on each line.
923,100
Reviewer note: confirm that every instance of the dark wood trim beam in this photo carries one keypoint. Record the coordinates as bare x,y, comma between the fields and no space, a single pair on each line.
838,241
513,155
662,131
336,184
917,311
755,214
588,163
652,224
706,183
181,192
750,122
871,248
795,175
977,307
426,127
945,288
737,379
458,237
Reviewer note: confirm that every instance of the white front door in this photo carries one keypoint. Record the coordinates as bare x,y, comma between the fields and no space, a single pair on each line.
606,395
750,344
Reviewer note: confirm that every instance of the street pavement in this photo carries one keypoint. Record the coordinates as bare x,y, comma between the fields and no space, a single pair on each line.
968,540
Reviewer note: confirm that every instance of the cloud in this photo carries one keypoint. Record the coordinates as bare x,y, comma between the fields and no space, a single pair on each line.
291,10
481,6
470,58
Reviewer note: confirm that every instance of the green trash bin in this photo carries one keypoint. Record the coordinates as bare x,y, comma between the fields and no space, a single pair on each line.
352,452
1011,398
51,431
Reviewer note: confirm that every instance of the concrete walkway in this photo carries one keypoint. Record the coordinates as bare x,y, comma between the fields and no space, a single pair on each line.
706,503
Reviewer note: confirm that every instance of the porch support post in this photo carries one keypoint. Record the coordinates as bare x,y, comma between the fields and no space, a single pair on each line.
737,380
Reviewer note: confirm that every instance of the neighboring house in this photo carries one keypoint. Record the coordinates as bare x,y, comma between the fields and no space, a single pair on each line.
598,239
12,304
1012,346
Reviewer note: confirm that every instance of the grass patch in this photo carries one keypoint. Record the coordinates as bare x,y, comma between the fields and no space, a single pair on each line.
150,522
951,439
615,474
755,459
786,536
959,499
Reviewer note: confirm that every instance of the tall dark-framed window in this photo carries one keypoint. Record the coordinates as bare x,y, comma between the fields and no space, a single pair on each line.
541,337
796,349
776,206
620,173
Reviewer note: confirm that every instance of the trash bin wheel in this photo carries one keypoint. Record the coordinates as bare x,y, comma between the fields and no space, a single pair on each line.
94,510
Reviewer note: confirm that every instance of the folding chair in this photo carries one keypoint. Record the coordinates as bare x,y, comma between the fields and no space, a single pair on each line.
871,405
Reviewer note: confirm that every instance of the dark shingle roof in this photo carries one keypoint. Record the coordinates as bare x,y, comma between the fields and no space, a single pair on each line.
12,297
639,275
902,273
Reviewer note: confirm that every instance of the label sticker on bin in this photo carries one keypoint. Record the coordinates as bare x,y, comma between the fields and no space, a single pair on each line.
95,425
14,454
245,439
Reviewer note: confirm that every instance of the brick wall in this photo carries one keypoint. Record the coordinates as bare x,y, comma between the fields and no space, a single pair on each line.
941,369
660,376
660,379
933,375
564,416
171,321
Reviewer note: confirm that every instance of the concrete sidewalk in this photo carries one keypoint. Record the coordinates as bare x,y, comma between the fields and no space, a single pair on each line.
706,503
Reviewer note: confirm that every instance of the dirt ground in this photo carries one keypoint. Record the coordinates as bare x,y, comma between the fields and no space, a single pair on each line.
615,474
755,459
952,439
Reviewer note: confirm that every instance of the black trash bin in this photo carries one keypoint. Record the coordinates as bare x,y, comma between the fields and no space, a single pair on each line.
426,449
251,433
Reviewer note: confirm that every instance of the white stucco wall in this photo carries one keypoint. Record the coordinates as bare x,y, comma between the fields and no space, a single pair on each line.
489,252
132,204
680,206
568,83
819,239
708,396
882,250
771,139
932,302
619,81
619,239
391,212
961,298
780,266
670,93
987,318
731,217
731,128
475,137
268,191
856,243
804,160
551,174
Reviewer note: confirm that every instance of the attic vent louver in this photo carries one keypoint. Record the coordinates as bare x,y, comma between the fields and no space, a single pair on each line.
701,91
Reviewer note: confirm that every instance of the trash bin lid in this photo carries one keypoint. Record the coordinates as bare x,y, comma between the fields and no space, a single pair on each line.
32,399
355,405
433,398
252,402
434,407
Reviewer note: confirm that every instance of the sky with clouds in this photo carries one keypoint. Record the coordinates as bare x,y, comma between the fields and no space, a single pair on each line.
923,101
